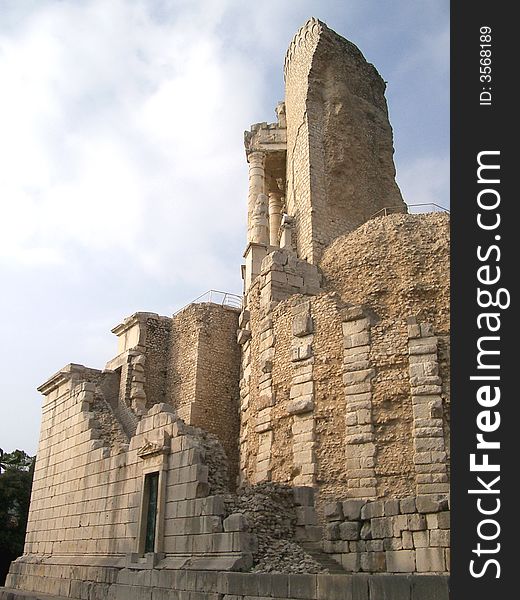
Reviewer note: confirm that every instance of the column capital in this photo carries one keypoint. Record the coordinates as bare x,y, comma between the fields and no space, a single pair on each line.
256,158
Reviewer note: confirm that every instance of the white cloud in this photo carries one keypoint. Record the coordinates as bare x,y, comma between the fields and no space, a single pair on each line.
115,133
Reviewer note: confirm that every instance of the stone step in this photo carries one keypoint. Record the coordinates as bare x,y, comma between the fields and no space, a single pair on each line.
323,559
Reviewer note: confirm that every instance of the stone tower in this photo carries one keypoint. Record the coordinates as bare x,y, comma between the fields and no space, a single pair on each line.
327,165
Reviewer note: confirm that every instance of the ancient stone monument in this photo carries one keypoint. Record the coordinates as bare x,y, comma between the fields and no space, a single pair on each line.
298,446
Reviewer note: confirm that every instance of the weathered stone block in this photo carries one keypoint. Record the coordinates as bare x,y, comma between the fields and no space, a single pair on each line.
244,542
303,496
355,326
301,352
352,509
302,586
382,527
333,511
280,585
243,336
366,531
430,560
414,331
390,587
334,587
416,522
306,515
440,537
421,539
400,561
443,520
356,340
357,388
350,530
373,509
302,389
391,507
302,325
351,419
353,377
364,416
235,522
407,540
393,543
373,562
303,404
332,531
263,427
242,584
375,546
407,505
433,503
352,313
430,587
266,400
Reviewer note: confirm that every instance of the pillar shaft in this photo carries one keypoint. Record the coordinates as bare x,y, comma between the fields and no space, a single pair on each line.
275,217
256,186
260,221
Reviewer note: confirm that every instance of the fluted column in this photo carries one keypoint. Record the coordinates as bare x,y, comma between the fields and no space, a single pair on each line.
275,217
256,186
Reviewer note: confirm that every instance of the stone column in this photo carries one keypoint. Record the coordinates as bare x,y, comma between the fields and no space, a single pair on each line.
256,186
360,448
301,403
275,217
260,221
286,237
428,428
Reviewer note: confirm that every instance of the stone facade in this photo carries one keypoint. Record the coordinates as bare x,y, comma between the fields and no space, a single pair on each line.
297,447
346,399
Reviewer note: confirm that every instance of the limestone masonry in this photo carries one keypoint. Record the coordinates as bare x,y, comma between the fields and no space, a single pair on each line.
298,446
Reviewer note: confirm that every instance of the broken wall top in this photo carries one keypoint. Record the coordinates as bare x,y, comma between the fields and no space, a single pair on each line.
340,168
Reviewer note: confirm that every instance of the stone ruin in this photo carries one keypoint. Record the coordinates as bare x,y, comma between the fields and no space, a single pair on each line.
297,447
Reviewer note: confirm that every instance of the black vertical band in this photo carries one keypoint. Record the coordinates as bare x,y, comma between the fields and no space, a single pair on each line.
485,230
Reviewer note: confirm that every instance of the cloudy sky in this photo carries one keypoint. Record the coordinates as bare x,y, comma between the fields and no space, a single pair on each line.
123,180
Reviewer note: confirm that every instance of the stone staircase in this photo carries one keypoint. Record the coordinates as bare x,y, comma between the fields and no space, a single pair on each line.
323,559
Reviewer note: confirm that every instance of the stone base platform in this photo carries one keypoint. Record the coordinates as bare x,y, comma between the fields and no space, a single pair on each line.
155,584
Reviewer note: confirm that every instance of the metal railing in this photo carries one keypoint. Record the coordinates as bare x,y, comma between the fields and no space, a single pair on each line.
388,210
215,297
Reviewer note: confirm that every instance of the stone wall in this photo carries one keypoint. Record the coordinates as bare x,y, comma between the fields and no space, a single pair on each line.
73,509
410,535
87,497
397,268
157,342
203,372
335,393
340,168
182,362
268,375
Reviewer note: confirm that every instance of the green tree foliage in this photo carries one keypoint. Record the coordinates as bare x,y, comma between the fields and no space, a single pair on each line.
16,473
